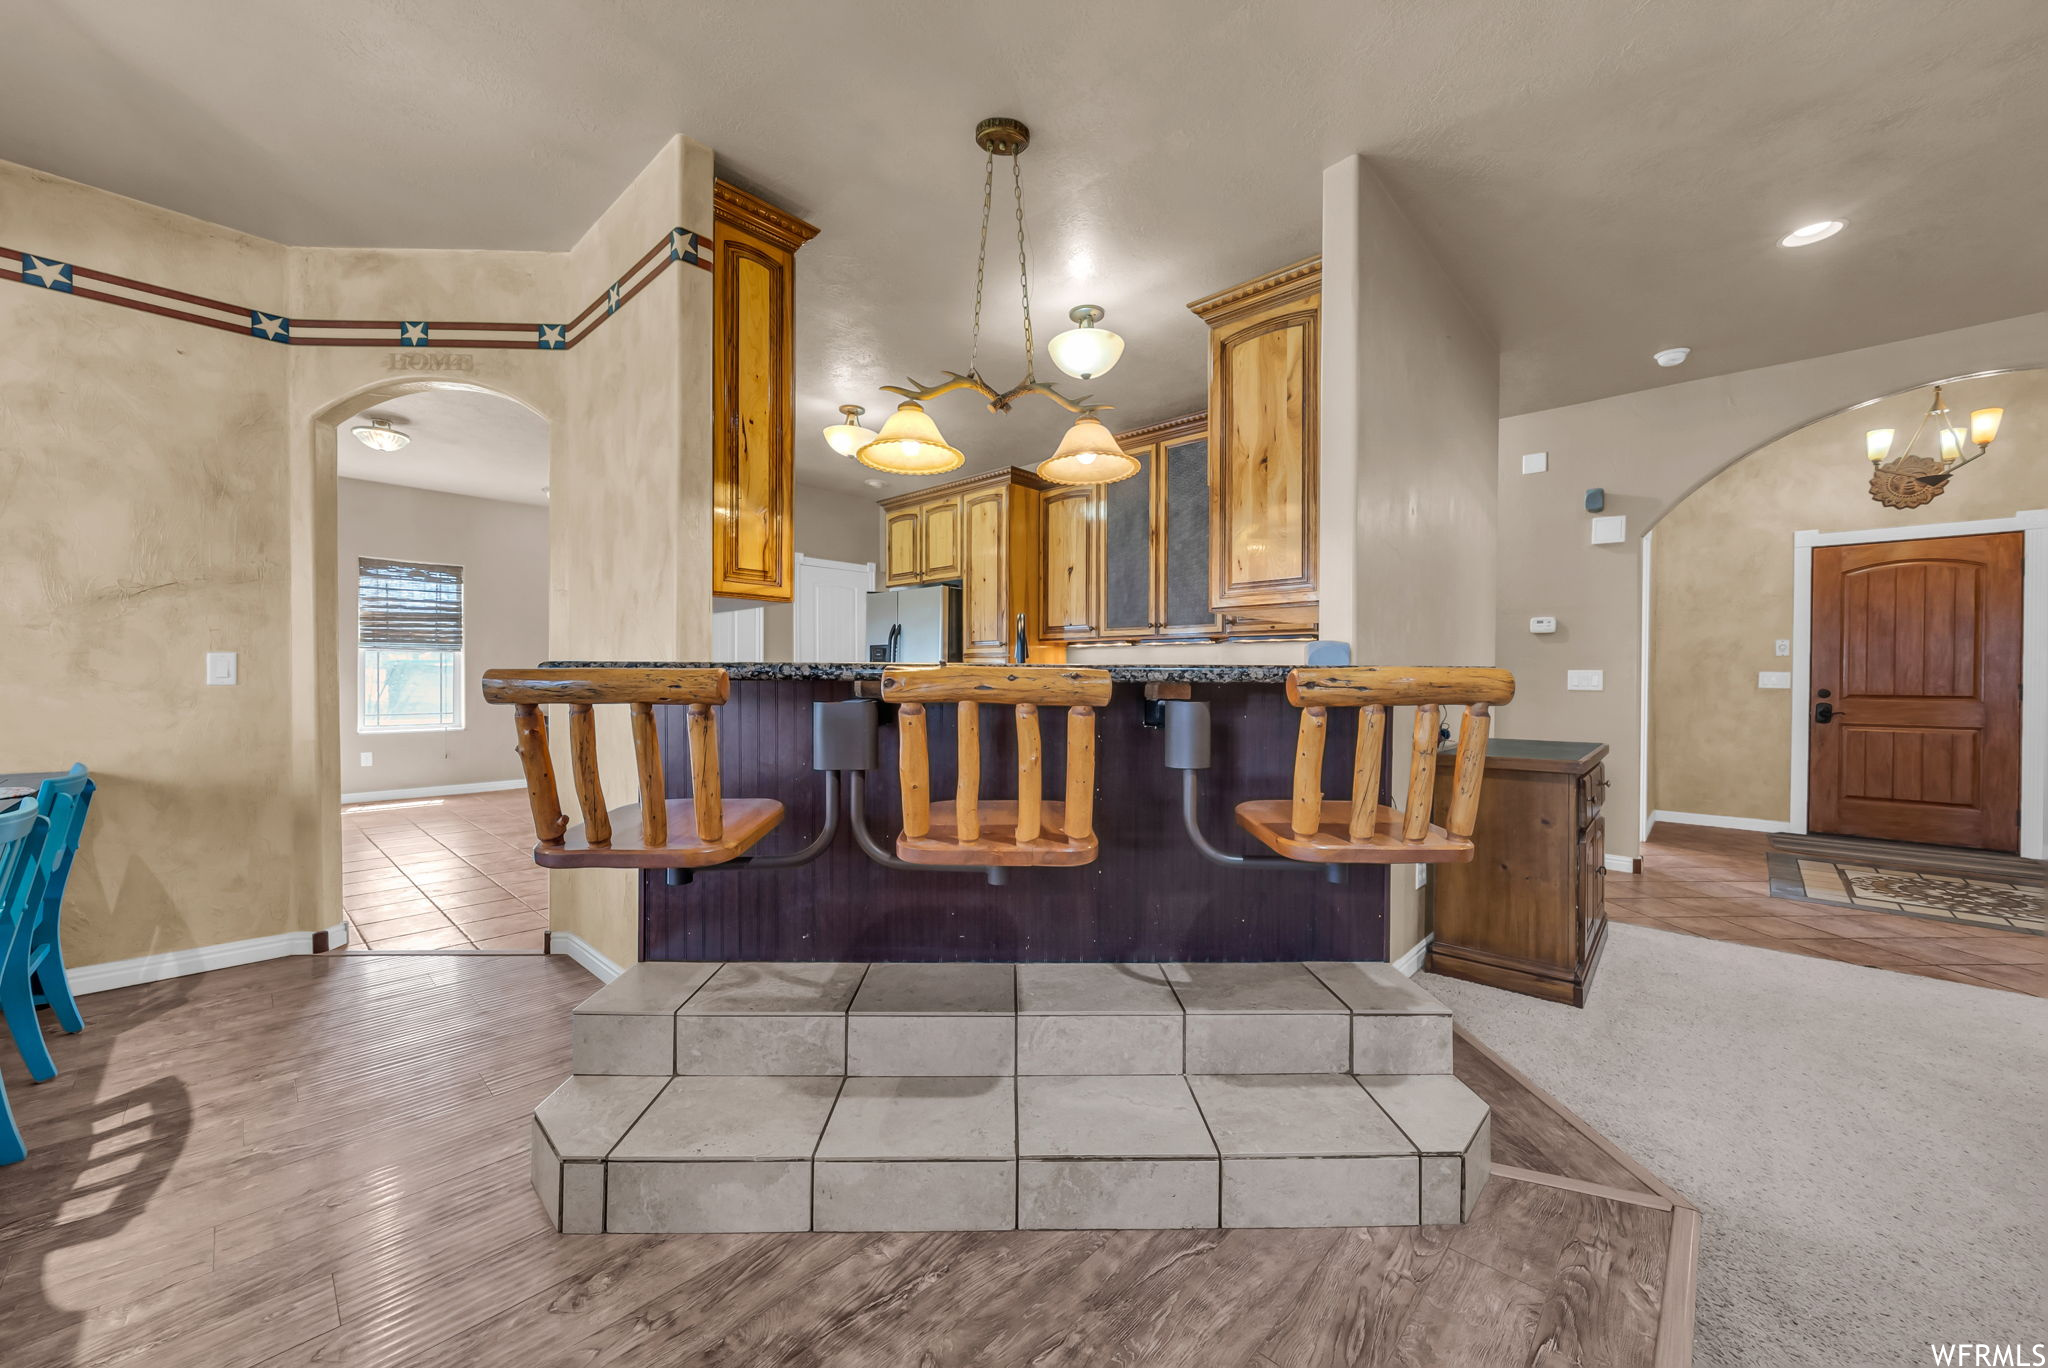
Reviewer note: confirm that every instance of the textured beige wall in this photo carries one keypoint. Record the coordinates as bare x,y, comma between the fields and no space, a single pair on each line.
1649,450
831,524
502,548
630,533
143,522
1410,414
1721,583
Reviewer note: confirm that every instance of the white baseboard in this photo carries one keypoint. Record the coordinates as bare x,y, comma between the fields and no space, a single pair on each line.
585,954
98,978
1621,864
1411,962
337,935
1709,819
438,791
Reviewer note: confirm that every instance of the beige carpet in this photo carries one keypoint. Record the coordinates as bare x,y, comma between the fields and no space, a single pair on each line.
1869,1150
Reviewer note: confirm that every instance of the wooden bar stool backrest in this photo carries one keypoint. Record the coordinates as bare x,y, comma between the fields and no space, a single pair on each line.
640,690
1373,689
1026,689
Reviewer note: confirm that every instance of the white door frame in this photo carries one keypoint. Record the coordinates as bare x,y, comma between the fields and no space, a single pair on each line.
798,607
2033,523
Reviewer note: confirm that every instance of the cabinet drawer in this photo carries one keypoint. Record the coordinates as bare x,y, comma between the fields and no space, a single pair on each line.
1592,794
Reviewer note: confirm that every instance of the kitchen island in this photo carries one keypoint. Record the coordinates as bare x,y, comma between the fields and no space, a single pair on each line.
1151,895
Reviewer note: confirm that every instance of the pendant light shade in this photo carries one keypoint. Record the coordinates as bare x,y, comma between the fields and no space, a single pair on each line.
910,444
1984,426
1877,444
1086,351
1088,455
848,437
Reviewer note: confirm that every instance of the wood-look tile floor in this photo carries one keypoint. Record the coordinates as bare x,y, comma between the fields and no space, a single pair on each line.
322,1160
442,874
1710,882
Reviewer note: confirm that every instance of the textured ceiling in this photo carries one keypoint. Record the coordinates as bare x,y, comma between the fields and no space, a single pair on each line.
1603,178
463,442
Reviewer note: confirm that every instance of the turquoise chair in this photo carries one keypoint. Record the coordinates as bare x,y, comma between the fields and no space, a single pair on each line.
31,960
22,834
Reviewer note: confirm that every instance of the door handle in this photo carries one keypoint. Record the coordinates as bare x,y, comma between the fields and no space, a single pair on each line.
1823,712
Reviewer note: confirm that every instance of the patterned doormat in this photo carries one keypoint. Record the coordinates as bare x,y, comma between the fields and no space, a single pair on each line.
2011,901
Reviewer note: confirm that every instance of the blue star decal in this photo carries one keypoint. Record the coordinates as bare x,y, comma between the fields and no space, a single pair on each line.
270,325
412,334
682,246
551,336
51,275
611,298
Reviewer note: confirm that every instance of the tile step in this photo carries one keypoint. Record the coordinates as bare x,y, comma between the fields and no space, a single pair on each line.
760,1153
983,1020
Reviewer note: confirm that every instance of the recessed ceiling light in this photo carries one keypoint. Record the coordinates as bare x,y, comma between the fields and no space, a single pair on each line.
380,436
1672,356
874,484
1812,232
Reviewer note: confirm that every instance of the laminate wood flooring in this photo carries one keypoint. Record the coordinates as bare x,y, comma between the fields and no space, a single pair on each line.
322,1160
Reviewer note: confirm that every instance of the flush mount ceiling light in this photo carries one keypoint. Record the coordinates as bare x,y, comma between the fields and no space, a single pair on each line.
1811,233
1672,356
380,436
910,444
848,437
1086,351
1910,479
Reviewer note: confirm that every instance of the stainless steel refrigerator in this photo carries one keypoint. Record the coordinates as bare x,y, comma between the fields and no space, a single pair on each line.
918,626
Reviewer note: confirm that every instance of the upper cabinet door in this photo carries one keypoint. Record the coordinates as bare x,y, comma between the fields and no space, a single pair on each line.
753,390
1263,458
941,545
1184,539
902,548
1129,606
986,625
1071,580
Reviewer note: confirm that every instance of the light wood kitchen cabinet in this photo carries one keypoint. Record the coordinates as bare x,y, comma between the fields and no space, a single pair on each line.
1263,344
985,532
753,442
1072,580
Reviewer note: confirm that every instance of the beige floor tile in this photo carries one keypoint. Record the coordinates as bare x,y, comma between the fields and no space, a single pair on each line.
450,939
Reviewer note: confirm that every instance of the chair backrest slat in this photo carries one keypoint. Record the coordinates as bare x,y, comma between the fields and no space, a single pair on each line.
967,788
1365,771
1030,775
1373,690
1306,814
597,820
914,769
1080,771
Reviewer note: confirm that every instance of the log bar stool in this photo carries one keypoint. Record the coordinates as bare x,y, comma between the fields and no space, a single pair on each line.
658,832
969,831
1308,828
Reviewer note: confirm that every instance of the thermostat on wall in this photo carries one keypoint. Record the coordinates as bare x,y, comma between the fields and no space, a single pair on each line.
1542,626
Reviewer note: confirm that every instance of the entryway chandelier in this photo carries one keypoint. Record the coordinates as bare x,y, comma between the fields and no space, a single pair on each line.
909,443
1911,479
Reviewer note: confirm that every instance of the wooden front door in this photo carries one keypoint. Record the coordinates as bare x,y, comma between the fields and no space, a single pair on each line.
1914,720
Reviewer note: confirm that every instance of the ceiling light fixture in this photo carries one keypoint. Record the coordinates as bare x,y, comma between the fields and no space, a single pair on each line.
1088,455
1909,479
1811,233
380,436
848,437
910,443
1086,351
1672,356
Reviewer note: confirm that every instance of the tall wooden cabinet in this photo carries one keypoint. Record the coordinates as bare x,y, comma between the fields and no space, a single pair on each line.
1529,912
753,442
1263,348
1151,537
987,533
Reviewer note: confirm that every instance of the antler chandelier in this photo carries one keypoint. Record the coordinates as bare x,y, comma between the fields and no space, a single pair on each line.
1911,479
909,443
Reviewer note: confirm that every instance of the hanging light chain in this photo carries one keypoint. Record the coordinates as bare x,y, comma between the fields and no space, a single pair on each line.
1023,268
988,183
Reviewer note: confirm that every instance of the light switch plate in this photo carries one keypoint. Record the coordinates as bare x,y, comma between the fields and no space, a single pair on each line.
1543,626
220,667
1535,462
1774,679
1585,679
1610,530
1783,646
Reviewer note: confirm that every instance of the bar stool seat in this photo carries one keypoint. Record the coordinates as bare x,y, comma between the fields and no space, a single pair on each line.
747,820
1271,823
998,843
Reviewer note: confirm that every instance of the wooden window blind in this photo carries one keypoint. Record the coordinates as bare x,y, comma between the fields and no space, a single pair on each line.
408,605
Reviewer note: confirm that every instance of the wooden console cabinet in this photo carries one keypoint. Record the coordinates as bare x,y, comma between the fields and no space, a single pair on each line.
1529,912
753,438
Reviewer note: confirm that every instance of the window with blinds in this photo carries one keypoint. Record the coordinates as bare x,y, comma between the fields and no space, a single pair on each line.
409,646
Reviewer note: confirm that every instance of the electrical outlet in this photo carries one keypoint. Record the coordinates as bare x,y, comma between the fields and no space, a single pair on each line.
1592,680
368,759
1783,646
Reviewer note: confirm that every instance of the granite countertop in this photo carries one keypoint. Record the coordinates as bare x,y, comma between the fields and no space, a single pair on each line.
1121,674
